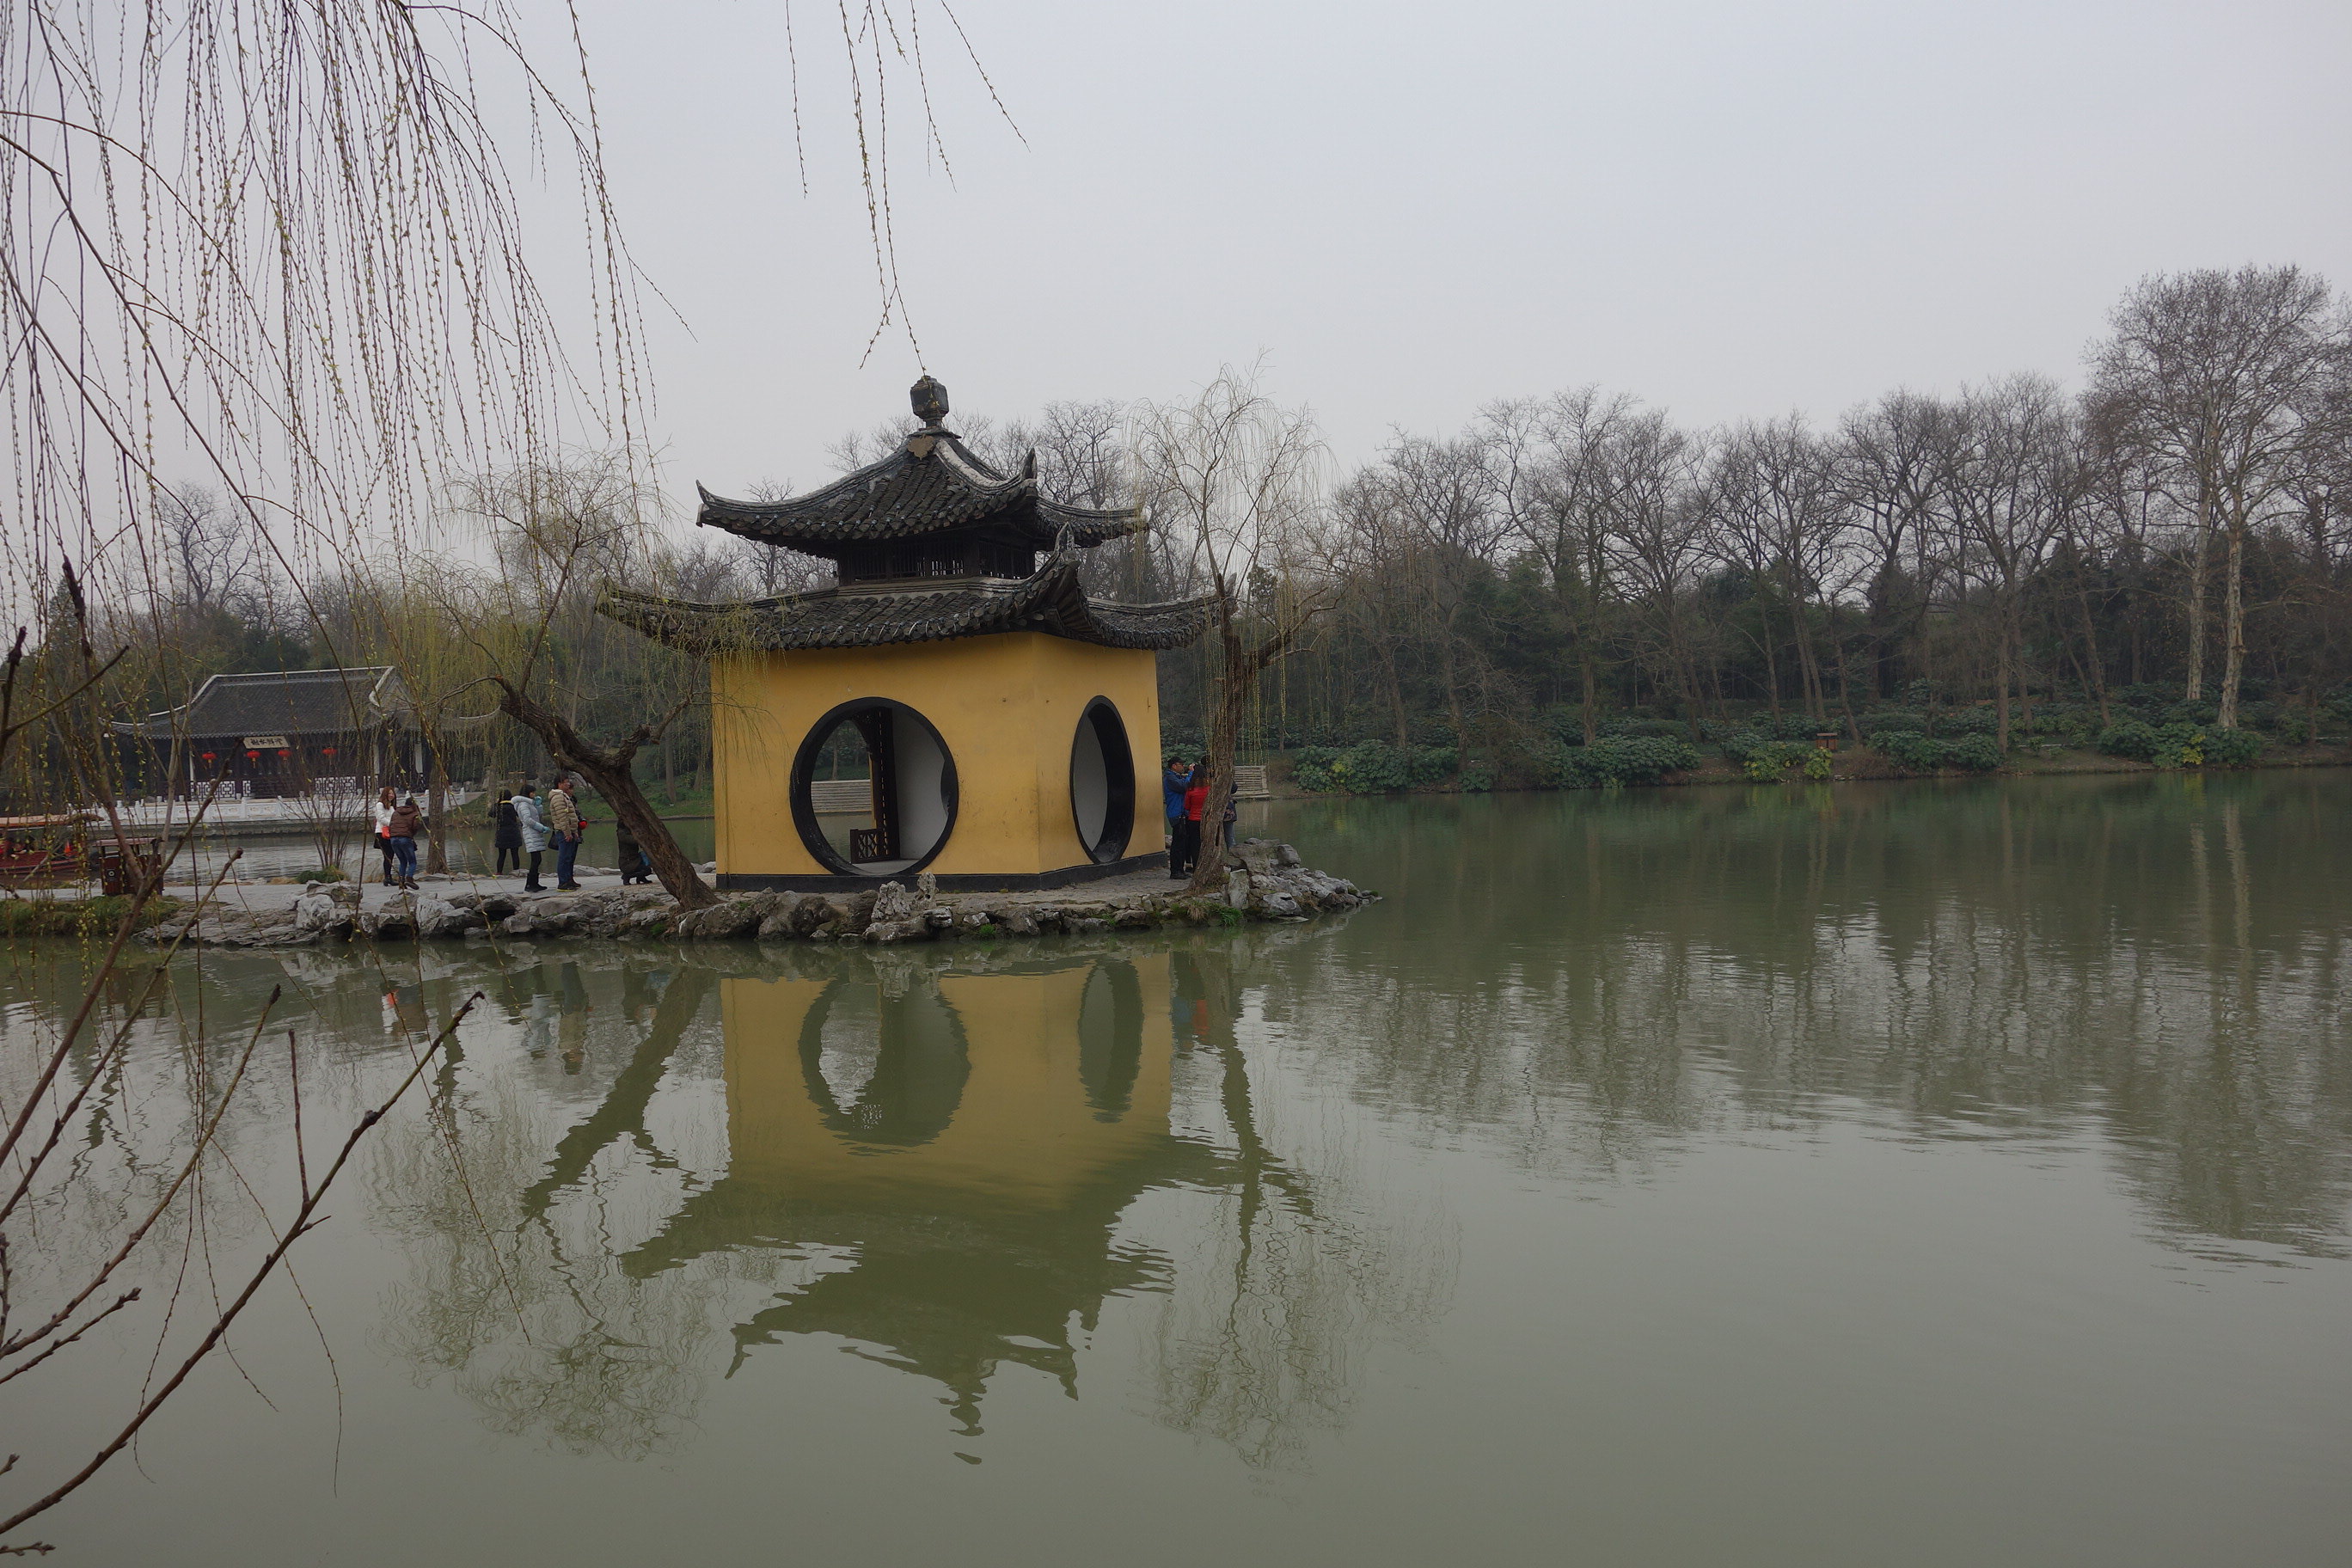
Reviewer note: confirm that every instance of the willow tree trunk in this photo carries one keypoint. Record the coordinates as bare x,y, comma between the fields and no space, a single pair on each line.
436,801
607,769
1242,666
1225,735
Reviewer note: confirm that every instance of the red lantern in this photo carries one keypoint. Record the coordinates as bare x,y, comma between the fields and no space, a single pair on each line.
253,757
283,753
326,751
210,755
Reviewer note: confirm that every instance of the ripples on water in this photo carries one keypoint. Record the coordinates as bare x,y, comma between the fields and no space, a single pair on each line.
1845,1175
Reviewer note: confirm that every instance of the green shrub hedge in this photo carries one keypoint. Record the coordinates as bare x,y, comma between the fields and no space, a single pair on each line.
1640,760
1927,754
1643,730
75,916
2180,744
1907,720
1764,752
1372,767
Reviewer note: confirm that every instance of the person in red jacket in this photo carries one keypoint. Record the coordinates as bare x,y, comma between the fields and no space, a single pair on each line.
1196,801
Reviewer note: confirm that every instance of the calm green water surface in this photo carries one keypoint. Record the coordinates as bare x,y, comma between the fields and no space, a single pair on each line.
1864,1175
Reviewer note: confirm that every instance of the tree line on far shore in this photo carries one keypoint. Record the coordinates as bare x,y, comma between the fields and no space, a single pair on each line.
2165,550
2159,564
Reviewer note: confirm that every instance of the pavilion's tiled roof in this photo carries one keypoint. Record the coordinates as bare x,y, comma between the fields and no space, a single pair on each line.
932,483
1052,600
283,702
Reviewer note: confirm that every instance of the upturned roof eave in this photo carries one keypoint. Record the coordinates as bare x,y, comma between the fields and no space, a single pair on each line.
880,502
386,696
1050,601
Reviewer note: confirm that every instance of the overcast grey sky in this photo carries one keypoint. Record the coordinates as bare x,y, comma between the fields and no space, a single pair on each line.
1728,209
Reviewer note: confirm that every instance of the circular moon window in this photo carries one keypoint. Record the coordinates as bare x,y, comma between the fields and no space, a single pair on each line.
884,1071
874,790
1102,782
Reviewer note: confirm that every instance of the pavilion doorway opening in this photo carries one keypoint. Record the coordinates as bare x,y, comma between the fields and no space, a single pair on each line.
874,790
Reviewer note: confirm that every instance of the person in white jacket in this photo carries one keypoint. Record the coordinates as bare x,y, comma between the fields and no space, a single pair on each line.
383,803
534,835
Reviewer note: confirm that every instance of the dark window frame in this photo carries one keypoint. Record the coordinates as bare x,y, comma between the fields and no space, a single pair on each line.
804,777
1118,759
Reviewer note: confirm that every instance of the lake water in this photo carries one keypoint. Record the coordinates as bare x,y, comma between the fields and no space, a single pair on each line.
1923,1175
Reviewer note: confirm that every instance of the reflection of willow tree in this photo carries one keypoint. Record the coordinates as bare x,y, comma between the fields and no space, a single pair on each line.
2156,956
519,1306
1256,1347
938,1166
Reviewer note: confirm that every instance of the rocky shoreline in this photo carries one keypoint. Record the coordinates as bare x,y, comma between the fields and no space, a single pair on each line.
1265,881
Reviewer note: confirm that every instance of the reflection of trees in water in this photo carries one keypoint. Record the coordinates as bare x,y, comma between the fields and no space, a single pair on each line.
1289,1277
2156,956
514,1295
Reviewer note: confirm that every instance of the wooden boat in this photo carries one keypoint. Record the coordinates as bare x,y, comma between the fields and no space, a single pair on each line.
43,851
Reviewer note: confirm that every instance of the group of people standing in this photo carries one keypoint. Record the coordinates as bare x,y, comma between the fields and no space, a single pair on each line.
521,824
396,827
1185,787
524,826
524,823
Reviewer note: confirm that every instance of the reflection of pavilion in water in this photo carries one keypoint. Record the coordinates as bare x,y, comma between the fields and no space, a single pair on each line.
969,1146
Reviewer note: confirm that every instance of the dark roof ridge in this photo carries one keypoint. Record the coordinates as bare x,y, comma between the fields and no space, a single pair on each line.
289,701
1050,600
930,483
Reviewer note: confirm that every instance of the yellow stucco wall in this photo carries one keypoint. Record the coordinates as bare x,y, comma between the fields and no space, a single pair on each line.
1024,1134
1008,708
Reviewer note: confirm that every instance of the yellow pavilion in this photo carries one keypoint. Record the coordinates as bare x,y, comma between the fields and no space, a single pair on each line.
964,1147
957,704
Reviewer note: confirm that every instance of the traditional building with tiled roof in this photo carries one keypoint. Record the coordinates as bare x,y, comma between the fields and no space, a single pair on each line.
957,670
279,733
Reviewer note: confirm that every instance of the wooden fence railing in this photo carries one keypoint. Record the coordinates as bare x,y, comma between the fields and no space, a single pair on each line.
842,798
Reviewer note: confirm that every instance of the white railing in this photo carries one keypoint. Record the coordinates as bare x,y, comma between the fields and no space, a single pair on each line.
841,797
293,812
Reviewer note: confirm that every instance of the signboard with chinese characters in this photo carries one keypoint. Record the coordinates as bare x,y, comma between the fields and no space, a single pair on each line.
267,743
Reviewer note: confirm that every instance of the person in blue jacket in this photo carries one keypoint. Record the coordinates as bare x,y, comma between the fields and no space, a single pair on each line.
1183,839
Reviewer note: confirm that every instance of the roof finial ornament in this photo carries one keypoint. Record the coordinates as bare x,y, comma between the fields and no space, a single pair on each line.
931,401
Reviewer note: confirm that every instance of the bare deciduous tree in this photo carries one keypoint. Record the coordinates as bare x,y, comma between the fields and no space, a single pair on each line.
2216,374
1234,486
561,533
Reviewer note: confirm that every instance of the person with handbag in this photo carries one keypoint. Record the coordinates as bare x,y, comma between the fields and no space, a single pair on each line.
565,821
533,829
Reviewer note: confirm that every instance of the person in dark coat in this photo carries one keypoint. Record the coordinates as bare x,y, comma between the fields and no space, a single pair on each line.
636,866
1174,780
506,835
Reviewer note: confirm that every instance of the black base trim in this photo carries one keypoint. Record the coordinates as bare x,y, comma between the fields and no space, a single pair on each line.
948,882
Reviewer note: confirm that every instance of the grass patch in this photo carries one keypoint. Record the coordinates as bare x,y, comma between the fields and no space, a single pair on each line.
75,916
